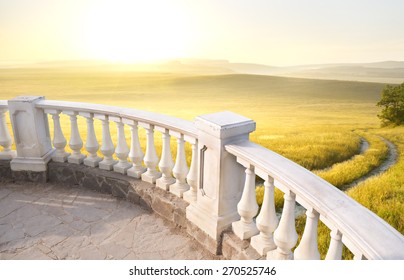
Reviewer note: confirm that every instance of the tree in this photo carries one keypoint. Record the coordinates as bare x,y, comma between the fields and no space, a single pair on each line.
392,103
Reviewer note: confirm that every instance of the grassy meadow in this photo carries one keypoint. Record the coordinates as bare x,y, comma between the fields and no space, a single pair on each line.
308,121
316,123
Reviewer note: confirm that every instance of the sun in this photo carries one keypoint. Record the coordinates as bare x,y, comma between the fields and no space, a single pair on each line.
134,31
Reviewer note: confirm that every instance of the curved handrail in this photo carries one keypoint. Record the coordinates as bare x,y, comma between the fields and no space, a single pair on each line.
182,126
370,234
363,232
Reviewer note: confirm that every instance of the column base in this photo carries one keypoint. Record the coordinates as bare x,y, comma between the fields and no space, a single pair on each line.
164,183
60,157
136,172
107,164
277,255
262,245
151,176
76,159
243,230
7,155
211,224
179,188
122,167
31,164
92,161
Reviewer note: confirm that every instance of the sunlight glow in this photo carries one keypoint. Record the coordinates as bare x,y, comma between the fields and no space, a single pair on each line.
135,31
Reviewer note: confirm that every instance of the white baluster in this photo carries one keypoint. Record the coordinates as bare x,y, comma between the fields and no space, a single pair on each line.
5,139
180,169
135,154
151,159
59,140
122,149
107,147
166,163
192,177
266,221
91,142
335,249
285,235
308,247
247,208
75,142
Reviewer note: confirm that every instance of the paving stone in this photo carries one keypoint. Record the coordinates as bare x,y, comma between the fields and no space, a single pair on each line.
11,234
26,212
4,192
115,251
31,254
10,204
6,256
44,249
124,237
101,232
39,224
130,256
69,248
57,235
92,253
53,208
79,224
106,202
124,214
4,228
85,212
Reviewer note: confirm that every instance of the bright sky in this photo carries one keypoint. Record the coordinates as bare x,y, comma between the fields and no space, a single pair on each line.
274,32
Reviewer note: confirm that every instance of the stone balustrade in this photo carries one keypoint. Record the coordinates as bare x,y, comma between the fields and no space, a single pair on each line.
219,184
350,223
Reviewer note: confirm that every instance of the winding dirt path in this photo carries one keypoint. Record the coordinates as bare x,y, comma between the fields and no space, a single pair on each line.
389,161
364,146
386,164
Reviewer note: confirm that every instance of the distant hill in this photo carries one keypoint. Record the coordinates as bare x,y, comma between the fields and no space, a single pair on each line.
385,64
380,72
353,72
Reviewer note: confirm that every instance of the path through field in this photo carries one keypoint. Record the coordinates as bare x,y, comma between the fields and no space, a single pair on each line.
389,161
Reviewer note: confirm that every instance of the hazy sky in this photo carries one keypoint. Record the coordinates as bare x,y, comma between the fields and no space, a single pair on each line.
275,32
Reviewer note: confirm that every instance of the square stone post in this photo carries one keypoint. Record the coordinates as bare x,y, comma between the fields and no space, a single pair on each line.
220,177
31,135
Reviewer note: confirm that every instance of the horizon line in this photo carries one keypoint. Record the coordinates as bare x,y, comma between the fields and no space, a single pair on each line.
16,62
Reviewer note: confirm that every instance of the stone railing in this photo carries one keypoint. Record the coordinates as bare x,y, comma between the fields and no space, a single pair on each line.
350,223
219,184
28,117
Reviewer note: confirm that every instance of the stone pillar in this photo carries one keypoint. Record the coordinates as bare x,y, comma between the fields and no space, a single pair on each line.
31,135
220,177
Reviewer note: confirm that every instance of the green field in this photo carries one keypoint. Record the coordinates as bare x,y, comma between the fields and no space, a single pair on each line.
316,123
308,121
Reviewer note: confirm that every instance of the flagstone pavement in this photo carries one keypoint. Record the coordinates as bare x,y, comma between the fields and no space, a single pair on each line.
57,222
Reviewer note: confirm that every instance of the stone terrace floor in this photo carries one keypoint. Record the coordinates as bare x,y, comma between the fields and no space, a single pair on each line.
56,222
